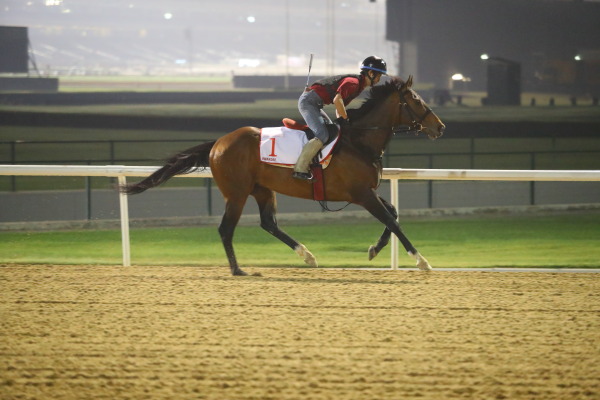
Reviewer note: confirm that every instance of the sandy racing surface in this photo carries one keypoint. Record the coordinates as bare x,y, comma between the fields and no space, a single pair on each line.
93,332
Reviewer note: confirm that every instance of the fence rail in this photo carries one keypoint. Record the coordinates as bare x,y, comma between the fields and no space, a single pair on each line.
392,174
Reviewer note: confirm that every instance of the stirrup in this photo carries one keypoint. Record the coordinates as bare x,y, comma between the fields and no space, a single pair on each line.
305,176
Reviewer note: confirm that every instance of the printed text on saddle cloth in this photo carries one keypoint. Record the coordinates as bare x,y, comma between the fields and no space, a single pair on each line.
282,146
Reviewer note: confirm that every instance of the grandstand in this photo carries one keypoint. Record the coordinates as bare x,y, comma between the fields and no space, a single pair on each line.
78,37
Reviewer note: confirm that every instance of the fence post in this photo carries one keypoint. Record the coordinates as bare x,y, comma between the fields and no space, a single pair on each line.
394,244
124,209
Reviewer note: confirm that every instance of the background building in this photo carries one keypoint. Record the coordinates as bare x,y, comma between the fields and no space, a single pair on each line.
557,42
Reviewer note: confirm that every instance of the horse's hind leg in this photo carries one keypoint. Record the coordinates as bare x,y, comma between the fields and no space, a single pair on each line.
265,198
385,236
233,211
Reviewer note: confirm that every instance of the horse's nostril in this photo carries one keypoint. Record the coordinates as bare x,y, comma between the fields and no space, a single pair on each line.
441,129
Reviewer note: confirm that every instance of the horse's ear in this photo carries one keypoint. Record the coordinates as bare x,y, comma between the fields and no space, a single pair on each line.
409,82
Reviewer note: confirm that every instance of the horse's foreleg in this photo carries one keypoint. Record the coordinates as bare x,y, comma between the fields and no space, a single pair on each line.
265,198
373,203
385,236
233,211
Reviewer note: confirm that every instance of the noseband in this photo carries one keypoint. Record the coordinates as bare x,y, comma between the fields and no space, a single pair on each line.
416,124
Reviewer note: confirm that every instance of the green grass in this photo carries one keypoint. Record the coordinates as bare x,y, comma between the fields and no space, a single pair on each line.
550,241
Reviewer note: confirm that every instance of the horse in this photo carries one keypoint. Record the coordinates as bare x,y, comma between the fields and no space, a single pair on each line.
352,176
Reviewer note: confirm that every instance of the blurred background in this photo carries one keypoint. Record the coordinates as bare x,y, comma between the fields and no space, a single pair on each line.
191,36
556,42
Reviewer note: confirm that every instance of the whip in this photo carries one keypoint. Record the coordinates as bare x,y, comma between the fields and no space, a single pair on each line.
309,68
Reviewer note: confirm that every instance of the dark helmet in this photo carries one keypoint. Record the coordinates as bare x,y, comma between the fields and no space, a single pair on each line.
374,63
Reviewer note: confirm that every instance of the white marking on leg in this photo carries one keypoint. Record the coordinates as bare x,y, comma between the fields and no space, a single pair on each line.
372,252
306,255
422,262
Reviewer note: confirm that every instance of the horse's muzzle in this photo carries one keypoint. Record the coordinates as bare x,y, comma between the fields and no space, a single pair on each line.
440,132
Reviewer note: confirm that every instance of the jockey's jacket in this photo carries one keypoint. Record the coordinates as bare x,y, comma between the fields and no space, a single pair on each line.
349,86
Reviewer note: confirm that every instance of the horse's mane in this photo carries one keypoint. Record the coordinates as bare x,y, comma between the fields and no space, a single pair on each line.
376,95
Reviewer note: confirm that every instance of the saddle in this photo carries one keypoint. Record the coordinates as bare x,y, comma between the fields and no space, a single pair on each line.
332,128
281,146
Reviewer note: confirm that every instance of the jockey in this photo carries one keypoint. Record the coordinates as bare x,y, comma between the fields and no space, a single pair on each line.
337,90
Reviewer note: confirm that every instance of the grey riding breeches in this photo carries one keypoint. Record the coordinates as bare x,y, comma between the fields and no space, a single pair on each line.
310,106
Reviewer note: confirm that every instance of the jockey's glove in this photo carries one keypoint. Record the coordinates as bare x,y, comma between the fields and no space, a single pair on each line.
342,121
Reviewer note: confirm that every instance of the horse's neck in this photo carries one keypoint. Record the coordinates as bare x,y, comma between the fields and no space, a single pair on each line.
373,132
369,142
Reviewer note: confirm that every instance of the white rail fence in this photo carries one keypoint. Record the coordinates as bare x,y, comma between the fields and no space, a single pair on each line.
392,174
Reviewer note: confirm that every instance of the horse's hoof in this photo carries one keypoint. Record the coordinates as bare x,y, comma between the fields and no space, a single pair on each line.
422,262
372,252
424,266
306,255
238,272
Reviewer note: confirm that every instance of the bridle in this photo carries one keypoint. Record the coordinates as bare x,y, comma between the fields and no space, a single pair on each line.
416,124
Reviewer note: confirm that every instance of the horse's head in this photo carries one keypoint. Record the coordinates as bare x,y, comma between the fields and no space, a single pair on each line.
416,114
396,107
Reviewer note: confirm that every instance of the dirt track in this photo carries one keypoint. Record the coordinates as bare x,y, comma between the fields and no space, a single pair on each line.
180,332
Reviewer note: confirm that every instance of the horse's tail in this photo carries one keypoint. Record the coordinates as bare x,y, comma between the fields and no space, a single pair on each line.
182,163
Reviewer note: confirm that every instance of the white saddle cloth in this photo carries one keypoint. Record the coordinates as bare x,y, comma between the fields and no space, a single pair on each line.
282,146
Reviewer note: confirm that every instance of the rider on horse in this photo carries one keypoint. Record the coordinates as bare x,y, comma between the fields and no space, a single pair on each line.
338,90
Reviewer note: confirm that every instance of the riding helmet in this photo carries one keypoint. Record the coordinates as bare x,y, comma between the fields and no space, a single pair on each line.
374,63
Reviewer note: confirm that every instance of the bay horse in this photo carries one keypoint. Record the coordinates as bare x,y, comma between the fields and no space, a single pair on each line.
352,176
